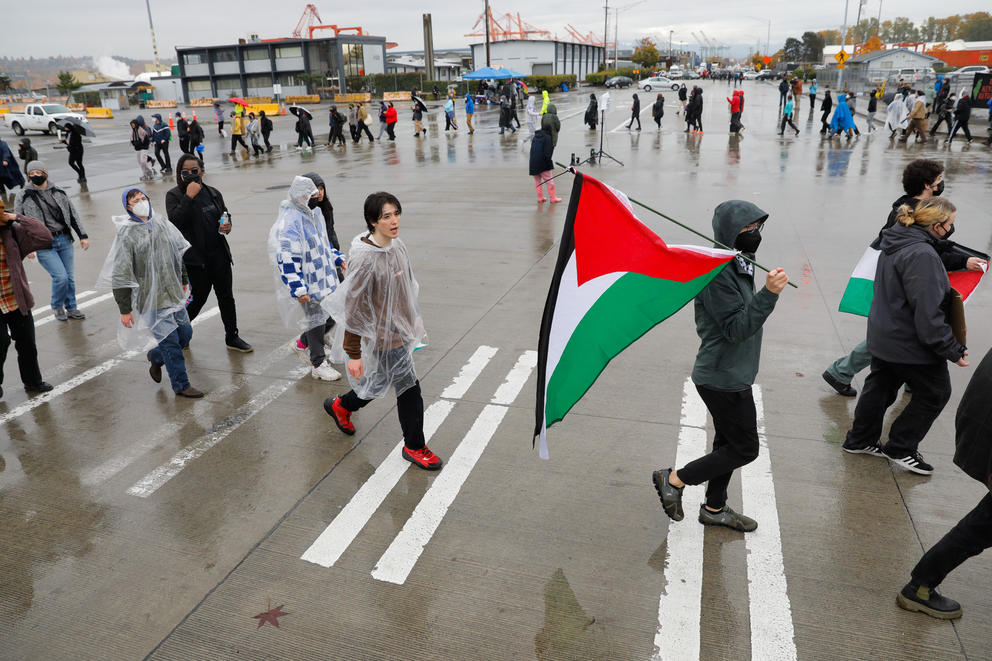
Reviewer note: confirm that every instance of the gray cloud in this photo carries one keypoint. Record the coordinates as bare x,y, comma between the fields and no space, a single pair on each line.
101,27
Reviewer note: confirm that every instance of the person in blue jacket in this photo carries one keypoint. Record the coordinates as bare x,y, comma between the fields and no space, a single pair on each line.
842,119
469,111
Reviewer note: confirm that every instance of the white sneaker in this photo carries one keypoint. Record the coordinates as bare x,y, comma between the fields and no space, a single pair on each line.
301,352
325,373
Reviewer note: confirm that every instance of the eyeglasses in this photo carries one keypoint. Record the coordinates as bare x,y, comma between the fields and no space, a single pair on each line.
754,226
194,171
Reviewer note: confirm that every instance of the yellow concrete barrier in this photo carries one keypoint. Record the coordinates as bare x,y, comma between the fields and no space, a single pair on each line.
16,108
396,96
4,111
160,104
271,109
202,102
258,99
353,98
76,107
99,113
304,98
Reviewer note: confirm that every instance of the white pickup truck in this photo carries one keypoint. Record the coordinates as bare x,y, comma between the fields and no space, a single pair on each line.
39,117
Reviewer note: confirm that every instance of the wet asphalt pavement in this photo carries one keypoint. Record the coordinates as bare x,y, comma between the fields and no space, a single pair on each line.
136,524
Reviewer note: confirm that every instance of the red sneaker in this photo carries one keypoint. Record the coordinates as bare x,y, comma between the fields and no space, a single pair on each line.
340,415
423,458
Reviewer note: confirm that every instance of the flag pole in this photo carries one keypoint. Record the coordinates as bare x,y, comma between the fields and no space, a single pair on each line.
683,226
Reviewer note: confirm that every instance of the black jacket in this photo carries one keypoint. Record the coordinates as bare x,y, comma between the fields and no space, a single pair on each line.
26,152
540,153
827,104
635,107
182,128
658,110
953,259
963,112
973,425
908,323
872,103
195,133
198,219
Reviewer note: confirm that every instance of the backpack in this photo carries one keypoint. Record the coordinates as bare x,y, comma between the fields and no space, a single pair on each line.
266,124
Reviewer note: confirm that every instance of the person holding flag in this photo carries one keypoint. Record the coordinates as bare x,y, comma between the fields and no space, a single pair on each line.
729,319
922,179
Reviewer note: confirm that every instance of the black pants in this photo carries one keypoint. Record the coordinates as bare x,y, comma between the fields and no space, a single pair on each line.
184,145
313,339
20,328
657,119
971,536
959,125
634,116
354,132
786,119
235,139
944,117
216,275
160,149
735,122
305,135
265,139
823,120
390,130
735,442
931,386
220,127
337,135
76,163
409,408
812,102
358,132
781,98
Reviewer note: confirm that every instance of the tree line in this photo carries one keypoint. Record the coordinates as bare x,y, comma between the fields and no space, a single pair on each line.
969,27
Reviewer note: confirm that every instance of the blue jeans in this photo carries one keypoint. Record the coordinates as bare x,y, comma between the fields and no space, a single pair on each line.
844,368
58,261
169,352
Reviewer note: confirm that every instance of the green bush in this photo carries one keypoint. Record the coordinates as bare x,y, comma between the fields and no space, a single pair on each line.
401,82
536,83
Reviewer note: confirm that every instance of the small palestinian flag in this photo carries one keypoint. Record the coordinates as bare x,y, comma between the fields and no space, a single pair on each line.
860,288
614,281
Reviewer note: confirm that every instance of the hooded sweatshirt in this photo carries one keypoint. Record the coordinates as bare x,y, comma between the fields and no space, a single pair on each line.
26,152
953,259
198,219
551,123
907,323
325,209
729,314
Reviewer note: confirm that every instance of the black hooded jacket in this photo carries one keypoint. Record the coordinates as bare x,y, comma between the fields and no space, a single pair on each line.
908,322
26,152
198,219
973,425
325,209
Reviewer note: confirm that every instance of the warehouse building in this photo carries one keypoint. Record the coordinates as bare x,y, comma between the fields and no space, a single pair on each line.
540,57
253,67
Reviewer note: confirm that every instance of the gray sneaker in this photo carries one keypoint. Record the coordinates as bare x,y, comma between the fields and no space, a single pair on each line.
671,496
727,518
60,314
75,314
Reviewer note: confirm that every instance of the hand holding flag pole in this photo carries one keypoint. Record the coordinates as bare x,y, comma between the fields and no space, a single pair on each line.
571,169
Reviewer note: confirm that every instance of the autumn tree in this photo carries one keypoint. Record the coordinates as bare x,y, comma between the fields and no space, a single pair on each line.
870,46
645,54
976,27
868,27
830,37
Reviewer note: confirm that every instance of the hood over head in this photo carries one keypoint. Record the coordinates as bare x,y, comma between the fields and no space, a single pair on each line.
552,109
157,117
317,180
139,120
128,211
26,142
300,192
730,217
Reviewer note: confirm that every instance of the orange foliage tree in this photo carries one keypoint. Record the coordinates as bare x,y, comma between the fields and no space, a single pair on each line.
869,46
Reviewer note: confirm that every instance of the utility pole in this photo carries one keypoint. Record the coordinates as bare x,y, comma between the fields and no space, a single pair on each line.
670,47
429,48
843,42
486,17
768,42
151,26
606,29
879,26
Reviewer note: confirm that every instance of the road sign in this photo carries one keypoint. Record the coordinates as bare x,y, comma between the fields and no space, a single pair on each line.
757,67
767,60
842,57
841,66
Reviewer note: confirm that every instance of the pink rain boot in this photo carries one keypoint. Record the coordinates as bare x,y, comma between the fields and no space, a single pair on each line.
551,192
540,193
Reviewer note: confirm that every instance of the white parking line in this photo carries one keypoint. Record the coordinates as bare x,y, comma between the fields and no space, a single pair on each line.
353,517
82,306
624,125
397,562
158,477
679,608
772,634
88,375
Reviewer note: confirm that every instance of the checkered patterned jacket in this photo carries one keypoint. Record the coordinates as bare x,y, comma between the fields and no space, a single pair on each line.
305,259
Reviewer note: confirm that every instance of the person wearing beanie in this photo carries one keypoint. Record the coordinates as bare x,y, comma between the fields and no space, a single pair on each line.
19,237
45,201
199,212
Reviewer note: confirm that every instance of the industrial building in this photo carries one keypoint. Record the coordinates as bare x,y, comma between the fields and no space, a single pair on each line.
957,53
253,67
540,57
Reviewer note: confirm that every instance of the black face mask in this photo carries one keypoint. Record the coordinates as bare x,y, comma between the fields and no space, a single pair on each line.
748,242
939,189
189,177
947,232
39,179
313,203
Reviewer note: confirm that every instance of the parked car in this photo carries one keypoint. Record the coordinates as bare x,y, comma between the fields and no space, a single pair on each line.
969,70
619,81
751,75
657,82
767,74
44,117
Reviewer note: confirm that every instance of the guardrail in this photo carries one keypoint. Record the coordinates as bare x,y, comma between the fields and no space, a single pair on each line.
99,113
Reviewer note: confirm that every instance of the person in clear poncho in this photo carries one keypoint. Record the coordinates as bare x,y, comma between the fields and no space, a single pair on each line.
304,264
379,328
145,271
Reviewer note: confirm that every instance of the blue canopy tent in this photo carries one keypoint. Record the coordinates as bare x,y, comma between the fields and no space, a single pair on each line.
485,73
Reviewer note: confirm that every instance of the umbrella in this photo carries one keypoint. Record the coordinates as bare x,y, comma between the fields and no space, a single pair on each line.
83,126
509,73
238,101
296,110
488,72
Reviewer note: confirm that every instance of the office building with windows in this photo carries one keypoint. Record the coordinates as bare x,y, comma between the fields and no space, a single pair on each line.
540,57
252,67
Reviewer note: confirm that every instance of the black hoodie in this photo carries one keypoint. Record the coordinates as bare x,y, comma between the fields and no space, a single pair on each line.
325,209
908,323
972,440
198,219
26,152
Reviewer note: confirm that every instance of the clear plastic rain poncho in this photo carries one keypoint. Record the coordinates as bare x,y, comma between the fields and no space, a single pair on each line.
378,302
302,258
146,263
896,116
533,115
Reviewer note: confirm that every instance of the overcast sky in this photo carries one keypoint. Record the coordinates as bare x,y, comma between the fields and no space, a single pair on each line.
105,27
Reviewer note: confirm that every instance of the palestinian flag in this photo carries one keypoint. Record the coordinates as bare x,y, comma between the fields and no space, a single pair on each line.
614,281
860,288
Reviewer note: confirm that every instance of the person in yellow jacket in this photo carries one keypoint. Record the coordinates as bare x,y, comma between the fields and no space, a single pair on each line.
546,100
363,124
237,132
